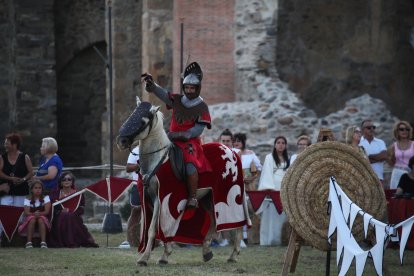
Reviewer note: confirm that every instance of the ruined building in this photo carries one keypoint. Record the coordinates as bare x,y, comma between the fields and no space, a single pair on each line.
271,66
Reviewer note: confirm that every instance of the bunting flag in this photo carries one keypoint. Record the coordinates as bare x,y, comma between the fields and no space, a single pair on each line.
110,189
406,230
70,202
343,213
257,197
9,218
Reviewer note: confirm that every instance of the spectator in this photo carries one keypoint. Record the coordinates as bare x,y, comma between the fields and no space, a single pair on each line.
250,162
68,229
353,138
303,142
16,169
406,183
50,166
274,168
134,200
400,151
226,138
375,148
36,210
250,165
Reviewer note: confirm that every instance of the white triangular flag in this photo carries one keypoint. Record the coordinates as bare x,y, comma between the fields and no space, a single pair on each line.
377,251
352,214
360,263
406,230
367,217
346,261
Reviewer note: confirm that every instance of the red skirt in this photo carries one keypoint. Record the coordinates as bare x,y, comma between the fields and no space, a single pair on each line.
23,227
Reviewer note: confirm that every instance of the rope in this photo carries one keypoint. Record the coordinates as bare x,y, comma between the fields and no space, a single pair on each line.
97,167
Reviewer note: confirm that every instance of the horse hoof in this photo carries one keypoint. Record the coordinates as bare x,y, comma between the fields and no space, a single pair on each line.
208,256
142,263
162,262
232,261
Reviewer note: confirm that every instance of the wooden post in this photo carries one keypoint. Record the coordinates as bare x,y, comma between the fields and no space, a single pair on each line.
292,253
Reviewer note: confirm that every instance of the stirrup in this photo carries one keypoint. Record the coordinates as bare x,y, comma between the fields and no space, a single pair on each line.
192,203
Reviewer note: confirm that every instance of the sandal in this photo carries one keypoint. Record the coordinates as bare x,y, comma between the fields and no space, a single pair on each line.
29,245
43,245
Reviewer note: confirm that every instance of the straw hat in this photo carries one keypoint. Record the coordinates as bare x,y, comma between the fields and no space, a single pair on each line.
305,188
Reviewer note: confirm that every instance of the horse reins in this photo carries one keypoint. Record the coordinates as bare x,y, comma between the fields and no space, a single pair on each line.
153,172
135,154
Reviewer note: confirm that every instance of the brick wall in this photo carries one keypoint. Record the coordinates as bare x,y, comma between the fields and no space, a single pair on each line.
209,40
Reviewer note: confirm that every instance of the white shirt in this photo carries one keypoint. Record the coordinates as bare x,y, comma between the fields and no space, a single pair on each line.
272,175
46,199
375,147
247,160
133,159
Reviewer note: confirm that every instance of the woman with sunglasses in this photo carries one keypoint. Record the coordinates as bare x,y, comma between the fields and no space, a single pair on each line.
68,229
400,151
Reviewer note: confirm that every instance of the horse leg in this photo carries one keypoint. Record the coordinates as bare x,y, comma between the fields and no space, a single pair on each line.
143,260
167,252
206,251
236,245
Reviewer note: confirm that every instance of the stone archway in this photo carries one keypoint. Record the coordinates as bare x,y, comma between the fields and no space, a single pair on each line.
81,100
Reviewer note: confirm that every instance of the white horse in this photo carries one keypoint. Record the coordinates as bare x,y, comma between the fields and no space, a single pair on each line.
145,127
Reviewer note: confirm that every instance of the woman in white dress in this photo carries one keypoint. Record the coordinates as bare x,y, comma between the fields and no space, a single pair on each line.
274,168
250,162
251,167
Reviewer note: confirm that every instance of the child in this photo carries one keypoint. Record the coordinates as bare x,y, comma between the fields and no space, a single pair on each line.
36,208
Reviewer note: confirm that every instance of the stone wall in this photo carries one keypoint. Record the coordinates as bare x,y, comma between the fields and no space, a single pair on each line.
271,67
7,67
28,78
267,106
57,87
80,26
157,28
332,51
126,57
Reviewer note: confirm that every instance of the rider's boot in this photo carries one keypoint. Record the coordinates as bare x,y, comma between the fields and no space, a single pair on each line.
192,185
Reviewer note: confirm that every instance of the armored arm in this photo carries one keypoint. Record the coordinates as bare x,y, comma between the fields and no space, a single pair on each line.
153,87
193,132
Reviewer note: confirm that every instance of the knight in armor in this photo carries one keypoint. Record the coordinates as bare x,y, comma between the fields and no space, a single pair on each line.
190,116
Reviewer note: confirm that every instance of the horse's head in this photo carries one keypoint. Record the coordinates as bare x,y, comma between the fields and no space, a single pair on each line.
137,126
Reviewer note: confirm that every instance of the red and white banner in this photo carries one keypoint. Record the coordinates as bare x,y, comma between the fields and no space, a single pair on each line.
9,218
109,189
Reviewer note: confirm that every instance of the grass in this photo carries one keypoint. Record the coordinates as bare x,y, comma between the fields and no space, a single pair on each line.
254,260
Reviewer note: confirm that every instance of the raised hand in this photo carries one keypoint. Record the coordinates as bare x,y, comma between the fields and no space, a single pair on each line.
149,82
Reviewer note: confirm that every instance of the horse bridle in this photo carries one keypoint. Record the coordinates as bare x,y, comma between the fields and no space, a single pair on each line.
151,119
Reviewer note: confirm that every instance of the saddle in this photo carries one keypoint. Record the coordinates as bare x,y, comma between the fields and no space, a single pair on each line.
176,157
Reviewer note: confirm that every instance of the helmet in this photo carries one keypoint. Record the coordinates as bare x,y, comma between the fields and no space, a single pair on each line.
192,79
193,76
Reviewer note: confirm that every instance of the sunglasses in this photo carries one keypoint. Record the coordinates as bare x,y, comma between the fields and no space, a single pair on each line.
370,127
403,129
67,179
